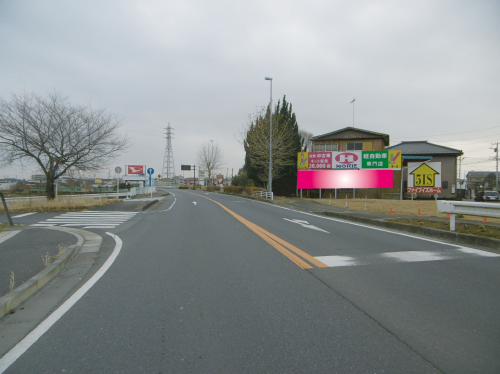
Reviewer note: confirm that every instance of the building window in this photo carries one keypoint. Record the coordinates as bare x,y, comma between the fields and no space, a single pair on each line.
357,146
325,147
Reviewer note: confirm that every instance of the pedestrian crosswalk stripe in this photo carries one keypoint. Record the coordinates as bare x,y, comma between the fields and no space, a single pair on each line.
88,219
406,256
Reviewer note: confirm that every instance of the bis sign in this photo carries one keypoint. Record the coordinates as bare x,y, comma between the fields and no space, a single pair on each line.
424,177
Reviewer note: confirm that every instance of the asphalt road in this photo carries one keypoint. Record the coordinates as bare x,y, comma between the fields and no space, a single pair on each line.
255,288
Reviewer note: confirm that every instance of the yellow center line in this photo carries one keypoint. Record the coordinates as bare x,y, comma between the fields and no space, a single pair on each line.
274,240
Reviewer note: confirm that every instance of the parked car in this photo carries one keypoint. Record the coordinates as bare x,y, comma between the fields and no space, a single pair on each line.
487,196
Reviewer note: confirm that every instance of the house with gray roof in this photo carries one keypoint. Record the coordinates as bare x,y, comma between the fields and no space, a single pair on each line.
475,181
350,139
421,151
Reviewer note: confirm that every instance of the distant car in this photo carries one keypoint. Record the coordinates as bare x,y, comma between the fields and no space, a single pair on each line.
487,196
491,195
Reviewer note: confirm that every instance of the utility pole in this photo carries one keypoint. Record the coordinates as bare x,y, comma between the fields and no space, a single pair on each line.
496,175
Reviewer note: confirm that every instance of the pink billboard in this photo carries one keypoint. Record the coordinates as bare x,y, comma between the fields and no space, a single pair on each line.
311,179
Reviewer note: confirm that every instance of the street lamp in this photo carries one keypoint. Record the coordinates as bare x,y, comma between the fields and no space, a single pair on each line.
270,184
211,169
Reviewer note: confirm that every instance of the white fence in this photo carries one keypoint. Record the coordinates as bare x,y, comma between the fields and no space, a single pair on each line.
467,207
133,192
264,194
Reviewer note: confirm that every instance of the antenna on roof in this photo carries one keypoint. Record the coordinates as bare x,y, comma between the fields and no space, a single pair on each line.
352,102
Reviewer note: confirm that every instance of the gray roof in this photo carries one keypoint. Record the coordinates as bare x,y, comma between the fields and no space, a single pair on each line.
367,133
424,148
482,174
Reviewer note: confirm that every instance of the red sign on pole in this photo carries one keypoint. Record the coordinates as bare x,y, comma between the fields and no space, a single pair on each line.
320,160
135,169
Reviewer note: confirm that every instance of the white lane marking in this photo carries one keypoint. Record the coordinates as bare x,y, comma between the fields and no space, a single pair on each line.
305,224
194,202
166,210
376,228
477,252
10,357
336,261
7,235
24,215
414,256
98,227
43,224
404,256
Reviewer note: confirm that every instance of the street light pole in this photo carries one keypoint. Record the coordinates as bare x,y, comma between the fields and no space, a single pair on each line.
210,169
270,184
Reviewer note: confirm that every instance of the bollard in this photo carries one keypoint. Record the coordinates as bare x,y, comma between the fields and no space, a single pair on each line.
346,200
486,219
419,212
391,209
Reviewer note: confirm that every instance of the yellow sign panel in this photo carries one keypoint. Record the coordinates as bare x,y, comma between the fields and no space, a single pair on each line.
424,176
98,180
395,159
303,161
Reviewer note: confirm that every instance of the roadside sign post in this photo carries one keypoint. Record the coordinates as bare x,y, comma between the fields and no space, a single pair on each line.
150,172
118,170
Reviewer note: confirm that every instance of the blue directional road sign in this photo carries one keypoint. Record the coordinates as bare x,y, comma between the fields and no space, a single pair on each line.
150,172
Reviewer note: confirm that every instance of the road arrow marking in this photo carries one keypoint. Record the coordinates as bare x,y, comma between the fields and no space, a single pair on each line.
305,224
194,202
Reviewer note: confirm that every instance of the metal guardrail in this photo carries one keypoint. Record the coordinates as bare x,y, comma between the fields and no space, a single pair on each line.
133,192
467,207
264,194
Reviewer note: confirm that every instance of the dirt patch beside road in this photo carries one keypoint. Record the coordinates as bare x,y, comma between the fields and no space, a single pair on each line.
428,208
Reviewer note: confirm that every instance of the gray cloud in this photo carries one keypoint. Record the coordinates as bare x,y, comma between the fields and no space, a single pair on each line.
416,69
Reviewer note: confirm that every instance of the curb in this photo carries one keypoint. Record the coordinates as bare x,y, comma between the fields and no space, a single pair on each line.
425,231
28,288
148,205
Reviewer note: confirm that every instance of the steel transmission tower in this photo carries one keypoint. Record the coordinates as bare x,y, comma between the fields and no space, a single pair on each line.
168,171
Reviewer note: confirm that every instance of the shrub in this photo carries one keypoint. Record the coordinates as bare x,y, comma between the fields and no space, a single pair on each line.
233,189
213,188
183,187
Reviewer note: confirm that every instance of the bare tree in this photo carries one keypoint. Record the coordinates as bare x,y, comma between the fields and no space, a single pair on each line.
57,135
210,157
306,140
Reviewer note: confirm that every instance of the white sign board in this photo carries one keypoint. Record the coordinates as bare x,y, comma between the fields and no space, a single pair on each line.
424,177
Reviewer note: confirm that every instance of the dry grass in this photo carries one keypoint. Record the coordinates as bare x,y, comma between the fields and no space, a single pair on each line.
56,205
12,282
428,208
463,228
47,259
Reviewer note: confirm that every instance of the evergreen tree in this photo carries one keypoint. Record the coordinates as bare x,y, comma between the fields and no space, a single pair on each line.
286,144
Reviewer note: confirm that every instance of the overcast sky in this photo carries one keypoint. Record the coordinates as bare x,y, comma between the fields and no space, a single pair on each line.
419,70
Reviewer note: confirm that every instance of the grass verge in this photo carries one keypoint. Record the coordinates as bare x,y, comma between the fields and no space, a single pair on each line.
56,205
463,228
